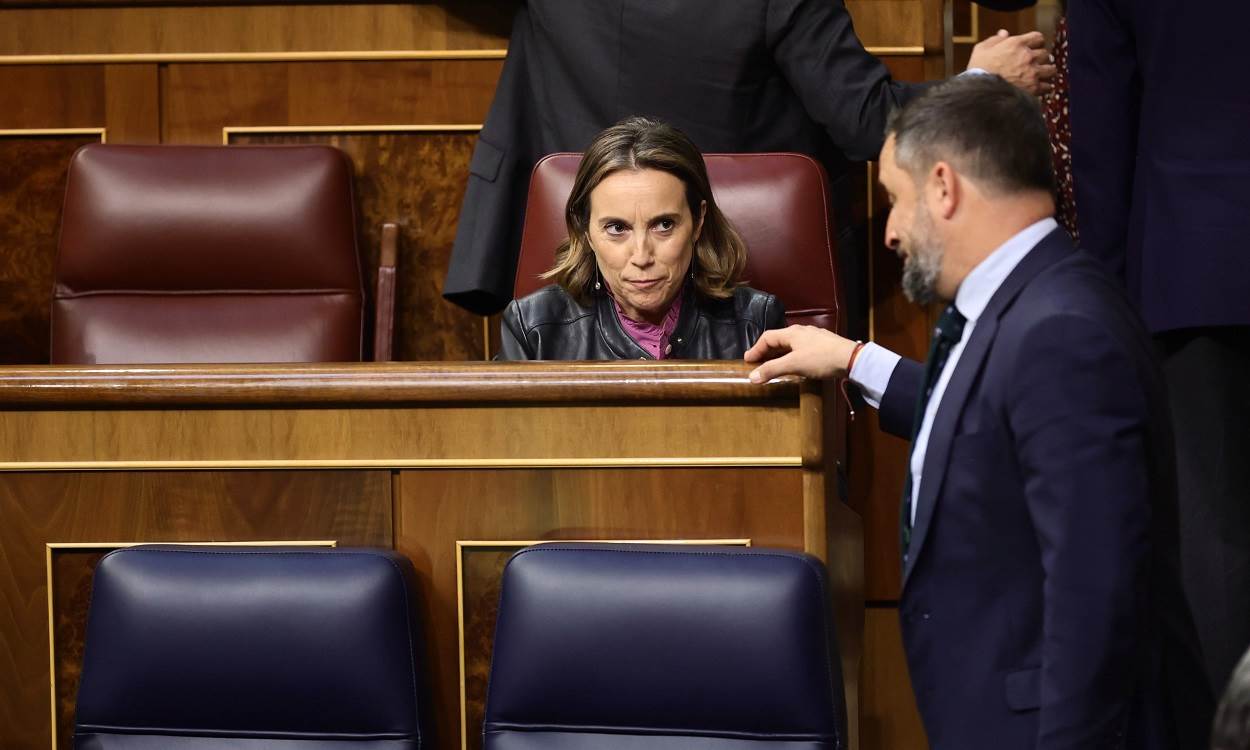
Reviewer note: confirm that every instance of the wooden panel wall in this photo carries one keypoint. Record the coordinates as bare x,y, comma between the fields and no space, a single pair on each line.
583,504
351,507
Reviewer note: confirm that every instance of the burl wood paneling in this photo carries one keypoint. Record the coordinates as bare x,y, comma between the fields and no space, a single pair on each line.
32,185
232,27
417,180
437,508
352,507
889,719
71,597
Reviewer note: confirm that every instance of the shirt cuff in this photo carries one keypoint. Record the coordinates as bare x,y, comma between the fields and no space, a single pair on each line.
975,72
872,370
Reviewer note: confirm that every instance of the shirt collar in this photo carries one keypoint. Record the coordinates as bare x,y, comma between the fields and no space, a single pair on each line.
981,283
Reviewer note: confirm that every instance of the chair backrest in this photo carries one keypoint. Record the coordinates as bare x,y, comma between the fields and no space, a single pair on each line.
667,647
779,203
207,254
189,648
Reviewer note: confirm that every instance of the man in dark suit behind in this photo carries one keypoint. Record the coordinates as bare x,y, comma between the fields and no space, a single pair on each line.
1161,162
1041,603
740,75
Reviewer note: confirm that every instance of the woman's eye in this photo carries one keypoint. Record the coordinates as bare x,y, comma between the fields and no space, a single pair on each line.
615,229
665,225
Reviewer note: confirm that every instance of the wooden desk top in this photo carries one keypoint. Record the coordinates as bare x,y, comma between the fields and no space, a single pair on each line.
298,385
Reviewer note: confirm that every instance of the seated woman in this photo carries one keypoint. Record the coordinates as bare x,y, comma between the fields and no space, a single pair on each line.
651,267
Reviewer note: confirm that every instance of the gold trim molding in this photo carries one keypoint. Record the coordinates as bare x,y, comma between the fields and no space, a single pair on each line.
517,544
51,547
115,58
230,130
236,57
974,33
35,132
594,462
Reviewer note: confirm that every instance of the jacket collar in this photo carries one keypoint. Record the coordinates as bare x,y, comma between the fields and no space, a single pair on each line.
1051,249
623,345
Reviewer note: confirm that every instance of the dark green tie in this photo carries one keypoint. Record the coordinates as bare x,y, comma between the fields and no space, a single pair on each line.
949,330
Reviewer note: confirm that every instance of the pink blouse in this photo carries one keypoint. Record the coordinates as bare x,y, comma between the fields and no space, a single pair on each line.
652,338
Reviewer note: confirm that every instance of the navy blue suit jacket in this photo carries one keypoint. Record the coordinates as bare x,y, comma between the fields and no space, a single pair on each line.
1041,604
1160,153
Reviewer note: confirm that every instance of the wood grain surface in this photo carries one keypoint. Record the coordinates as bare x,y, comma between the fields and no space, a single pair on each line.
39,508
56,387
155,26
32,186
199,100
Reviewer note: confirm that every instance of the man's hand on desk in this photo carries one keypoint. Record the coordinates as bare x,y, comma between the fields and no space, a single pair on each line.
800,350
1021,60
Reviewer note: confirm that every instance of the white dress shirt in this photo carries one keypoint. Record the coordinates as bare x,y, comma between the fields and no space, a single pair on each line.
875,364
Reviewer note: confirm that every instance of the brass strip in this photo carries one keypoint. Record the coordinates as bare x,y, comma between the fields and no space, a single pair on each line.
114,58
228,131
642,462
228,57
47,559
461,545
50,546
975,33
486,337
32,132
896,51
872,252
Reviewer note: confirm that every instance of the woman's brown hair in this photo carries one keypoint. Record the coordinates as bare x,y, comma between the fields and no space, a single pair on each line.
639,143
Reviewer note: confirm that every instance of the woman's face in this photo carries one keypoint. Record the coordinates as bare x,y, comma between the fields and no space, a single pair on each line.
643,238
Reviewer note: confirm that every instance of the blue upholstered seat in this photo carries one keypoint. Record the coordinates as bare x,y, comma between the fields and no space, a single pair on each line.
251,648
650,647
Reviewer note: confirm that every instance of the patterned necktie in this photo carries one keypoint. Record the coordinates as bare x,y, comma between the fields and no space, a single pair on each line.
949,330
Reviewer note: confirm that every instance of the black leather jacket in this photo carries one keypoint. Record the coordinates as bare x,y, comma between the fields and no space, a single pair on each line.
549,324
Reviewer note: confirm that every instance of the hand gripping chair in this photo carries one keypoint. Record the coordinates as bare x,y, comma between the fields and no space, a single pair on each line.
252,648
213,254
778,202
664,647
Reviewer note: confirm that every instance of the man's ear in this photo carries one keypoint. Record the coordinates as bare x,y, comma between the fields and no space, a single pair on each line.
943,190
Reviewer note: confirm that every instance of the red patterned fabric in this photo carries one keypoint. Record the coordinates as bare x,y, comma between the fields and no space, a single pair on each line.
1056,109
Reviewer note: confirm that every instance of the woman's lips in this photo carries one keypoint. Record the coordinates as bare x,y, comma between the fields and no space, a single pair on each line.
645,283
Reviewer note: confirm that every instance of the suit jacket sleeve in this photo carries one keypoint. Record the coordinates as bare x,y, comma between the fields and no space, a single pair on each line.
1104,110
482,267
841,85
1079,415
898,403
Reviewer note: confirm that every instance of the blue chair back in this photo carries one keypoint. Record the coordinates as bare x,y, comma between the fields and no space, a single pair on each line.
664,647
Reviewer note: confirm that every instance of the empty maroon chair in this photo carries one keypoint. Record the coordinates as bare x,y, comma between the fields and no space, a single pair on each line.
208,254
778,202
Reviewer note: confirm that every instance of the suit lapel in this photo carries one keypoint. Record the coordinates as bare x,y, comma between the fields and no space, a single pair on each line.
1053,247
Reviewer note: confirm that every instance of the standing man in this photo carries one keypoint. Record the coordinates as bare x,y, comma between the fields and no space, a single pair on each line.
746,75
1161,161
1041,604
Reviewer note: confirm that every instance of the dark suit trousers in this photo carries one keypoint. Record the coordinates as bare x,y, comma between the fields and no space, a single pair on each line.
1208,376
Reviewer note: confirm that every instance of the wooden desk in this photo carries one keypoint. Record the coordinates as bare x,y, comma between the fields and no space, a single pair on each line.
455,466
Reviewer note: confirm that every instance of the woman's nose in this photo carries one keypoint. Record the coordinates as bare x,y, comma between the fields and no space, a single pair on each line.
643,254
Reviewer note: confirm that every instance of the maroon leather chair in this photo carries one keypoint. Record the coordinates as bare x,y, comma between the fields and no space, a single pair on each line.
211,254
778,202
